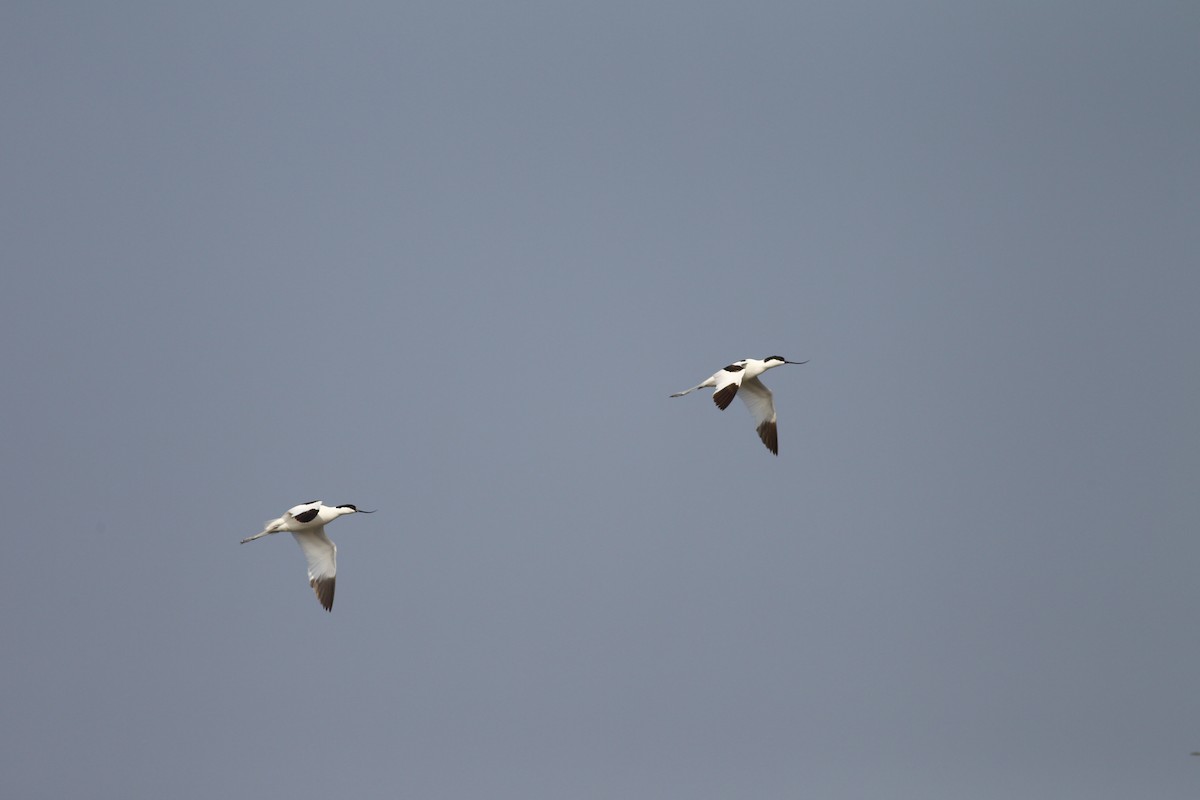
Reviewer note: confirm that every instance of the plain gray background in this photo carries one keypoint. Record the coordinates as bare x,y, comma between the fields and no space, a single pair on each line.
448,260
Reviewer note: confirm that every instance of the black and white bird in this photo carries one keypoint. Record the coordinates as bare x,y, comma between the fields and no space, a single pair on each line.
741,377
307,523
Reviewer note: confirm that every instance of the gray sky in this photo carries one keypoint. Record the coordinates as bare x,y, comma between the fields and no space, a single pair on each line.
448,260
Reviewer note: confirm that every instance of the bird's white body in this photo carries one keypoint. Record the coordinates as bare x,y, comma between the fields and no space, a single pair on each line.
307,523
741,378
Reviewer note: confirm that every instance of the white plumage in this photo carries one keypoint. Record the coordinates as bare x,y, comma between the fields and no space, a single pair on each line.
741,377
307,523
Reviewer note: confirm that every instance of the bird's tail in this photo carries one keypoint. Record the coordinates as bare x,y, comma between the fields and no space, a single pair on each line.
270,526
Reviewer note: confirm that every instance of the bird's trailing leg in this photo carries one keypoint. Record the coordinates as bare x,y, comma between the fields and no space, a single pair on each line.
707,383
274,526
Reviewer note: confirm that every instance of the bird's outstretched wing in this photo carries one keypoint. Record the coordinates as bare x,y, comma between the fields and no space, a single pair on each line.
322,563
762,407
727,382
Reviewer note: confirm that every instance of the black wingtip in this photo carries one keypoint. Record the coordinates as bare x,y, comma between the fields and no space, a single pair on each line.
324,591
769,434
725,396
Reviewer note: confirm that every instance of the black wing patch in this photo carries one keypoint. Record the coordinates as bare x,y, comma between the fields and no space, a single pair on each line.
308,516
770,436
724,397
734,368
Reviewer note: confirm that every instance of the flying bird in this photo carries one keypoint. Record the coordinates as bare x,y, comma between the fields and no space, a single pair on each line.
741,377
307,523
